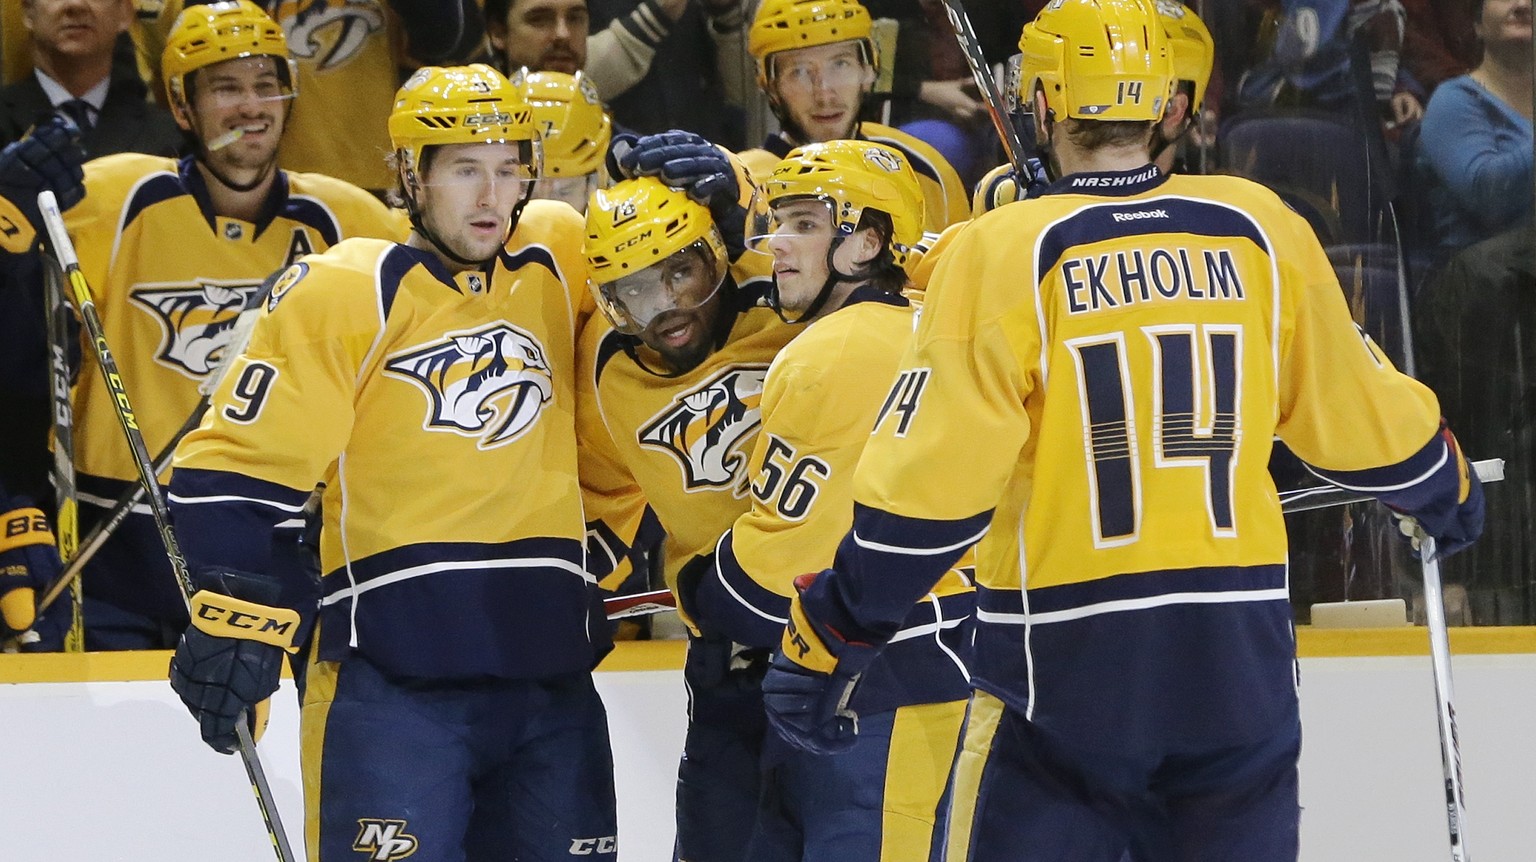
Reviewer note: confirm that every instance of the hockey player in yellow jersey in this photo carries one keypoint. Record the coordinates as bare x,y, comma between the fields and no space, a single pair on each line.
172,250
1092,392
1194,55
841,219
429,387
668,410
575,131
817,62
348,54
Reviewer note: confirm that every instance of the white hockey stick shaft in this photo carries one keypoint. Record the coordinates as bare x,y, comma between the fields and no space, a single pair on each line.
1445,703
64,250
1325,496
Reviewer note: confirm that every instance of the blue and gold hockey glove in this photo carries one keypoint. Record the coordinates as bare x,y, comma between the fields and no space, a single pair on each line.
29,564
686,161
811,680
1002,185
48,158
1452,526
228,661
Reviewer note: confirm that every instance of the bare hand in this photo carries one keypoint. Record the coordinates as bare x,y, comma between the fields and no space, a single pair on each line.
1406,108
953,97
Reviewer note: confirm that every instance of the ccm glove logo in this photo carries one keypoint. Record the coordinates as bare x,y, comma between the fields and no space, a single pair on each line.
588,846
228,617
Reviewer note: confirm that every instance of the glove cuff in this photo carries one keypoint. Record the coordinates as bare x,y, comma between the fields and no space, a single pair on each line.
16,231
225,616
24,526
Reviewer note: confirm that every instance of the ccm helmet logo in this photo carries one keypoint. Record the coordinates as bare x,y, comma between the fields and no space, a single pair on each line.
1140,214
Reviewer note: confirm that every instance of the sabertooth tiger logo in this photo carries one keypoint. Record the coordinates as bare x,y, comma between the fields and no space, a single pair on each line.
195,322
384,840
709,429
329,33
491,383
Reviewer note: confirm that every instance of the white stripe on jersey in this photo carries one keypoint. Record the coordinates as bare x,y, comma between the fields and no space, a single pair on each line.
234,498
1445,454
1144,603
917,552
454,566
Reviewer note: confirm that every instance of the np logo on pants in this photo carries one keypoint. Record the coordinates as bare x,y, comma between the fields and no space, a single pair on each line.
384,840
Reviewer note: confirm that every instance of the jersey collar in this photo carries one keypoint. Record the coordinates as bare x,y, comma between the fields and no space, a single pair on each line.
870,293
1109,183
192,180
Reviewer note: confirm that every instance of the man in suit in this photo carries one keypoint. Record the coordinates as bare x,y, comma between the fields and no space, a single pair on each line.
72,45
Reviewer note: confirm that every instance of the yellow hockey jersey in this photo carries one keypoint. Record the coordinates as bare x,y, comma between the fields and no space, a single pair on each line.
678,444
944,196
438,411
819,403
169,277
348,74
1095,385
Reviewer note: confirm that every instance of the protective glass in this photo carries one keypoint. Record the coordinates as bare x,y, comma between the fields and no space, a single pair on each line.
805,75
244,80
509,177
572,190
791,233
682,282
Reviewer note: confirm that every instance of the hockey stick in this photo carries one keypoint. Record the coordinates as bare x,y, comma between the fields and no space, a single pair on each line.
123,505
1445,712
66,494
639,604
58,237
1325,496
991,96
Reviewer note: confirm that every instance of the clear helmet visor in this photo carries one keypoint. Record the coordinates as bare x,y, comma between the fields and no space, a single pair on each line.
573,190
686,280
507,169
787,229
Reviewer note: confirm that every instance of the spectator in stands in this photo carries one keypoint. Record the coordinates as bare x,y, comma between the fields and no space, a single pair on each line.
1440,42
71,44
72,72
687,92
350,56
1475,147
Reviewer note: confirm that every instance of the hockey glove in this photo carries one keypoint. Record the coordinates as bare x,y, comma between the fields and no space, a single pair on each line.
229,659
1002,186
29,564
1454,526
811,680
48,158
689,578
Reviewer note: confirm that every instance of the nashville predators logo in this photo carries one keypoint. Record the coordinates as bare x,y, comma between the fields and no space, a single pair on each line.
329,33
384,840
196,321
491,383
709,430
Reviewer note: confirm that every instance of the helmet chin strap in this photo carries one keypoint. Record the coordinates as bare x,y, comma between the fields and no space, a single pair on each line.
1047,151
833,279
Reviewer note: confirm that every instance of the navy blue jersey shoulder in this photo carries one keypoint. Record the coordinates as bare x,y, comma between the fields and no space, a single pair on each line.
401,259
1110,221
312,213
534,255
157,189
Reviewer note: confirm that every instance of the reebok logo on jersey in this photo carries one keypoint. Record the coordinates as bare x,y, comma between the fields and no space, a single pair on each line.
196,321
709,428
329,33
384,840
1140,214
490,383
